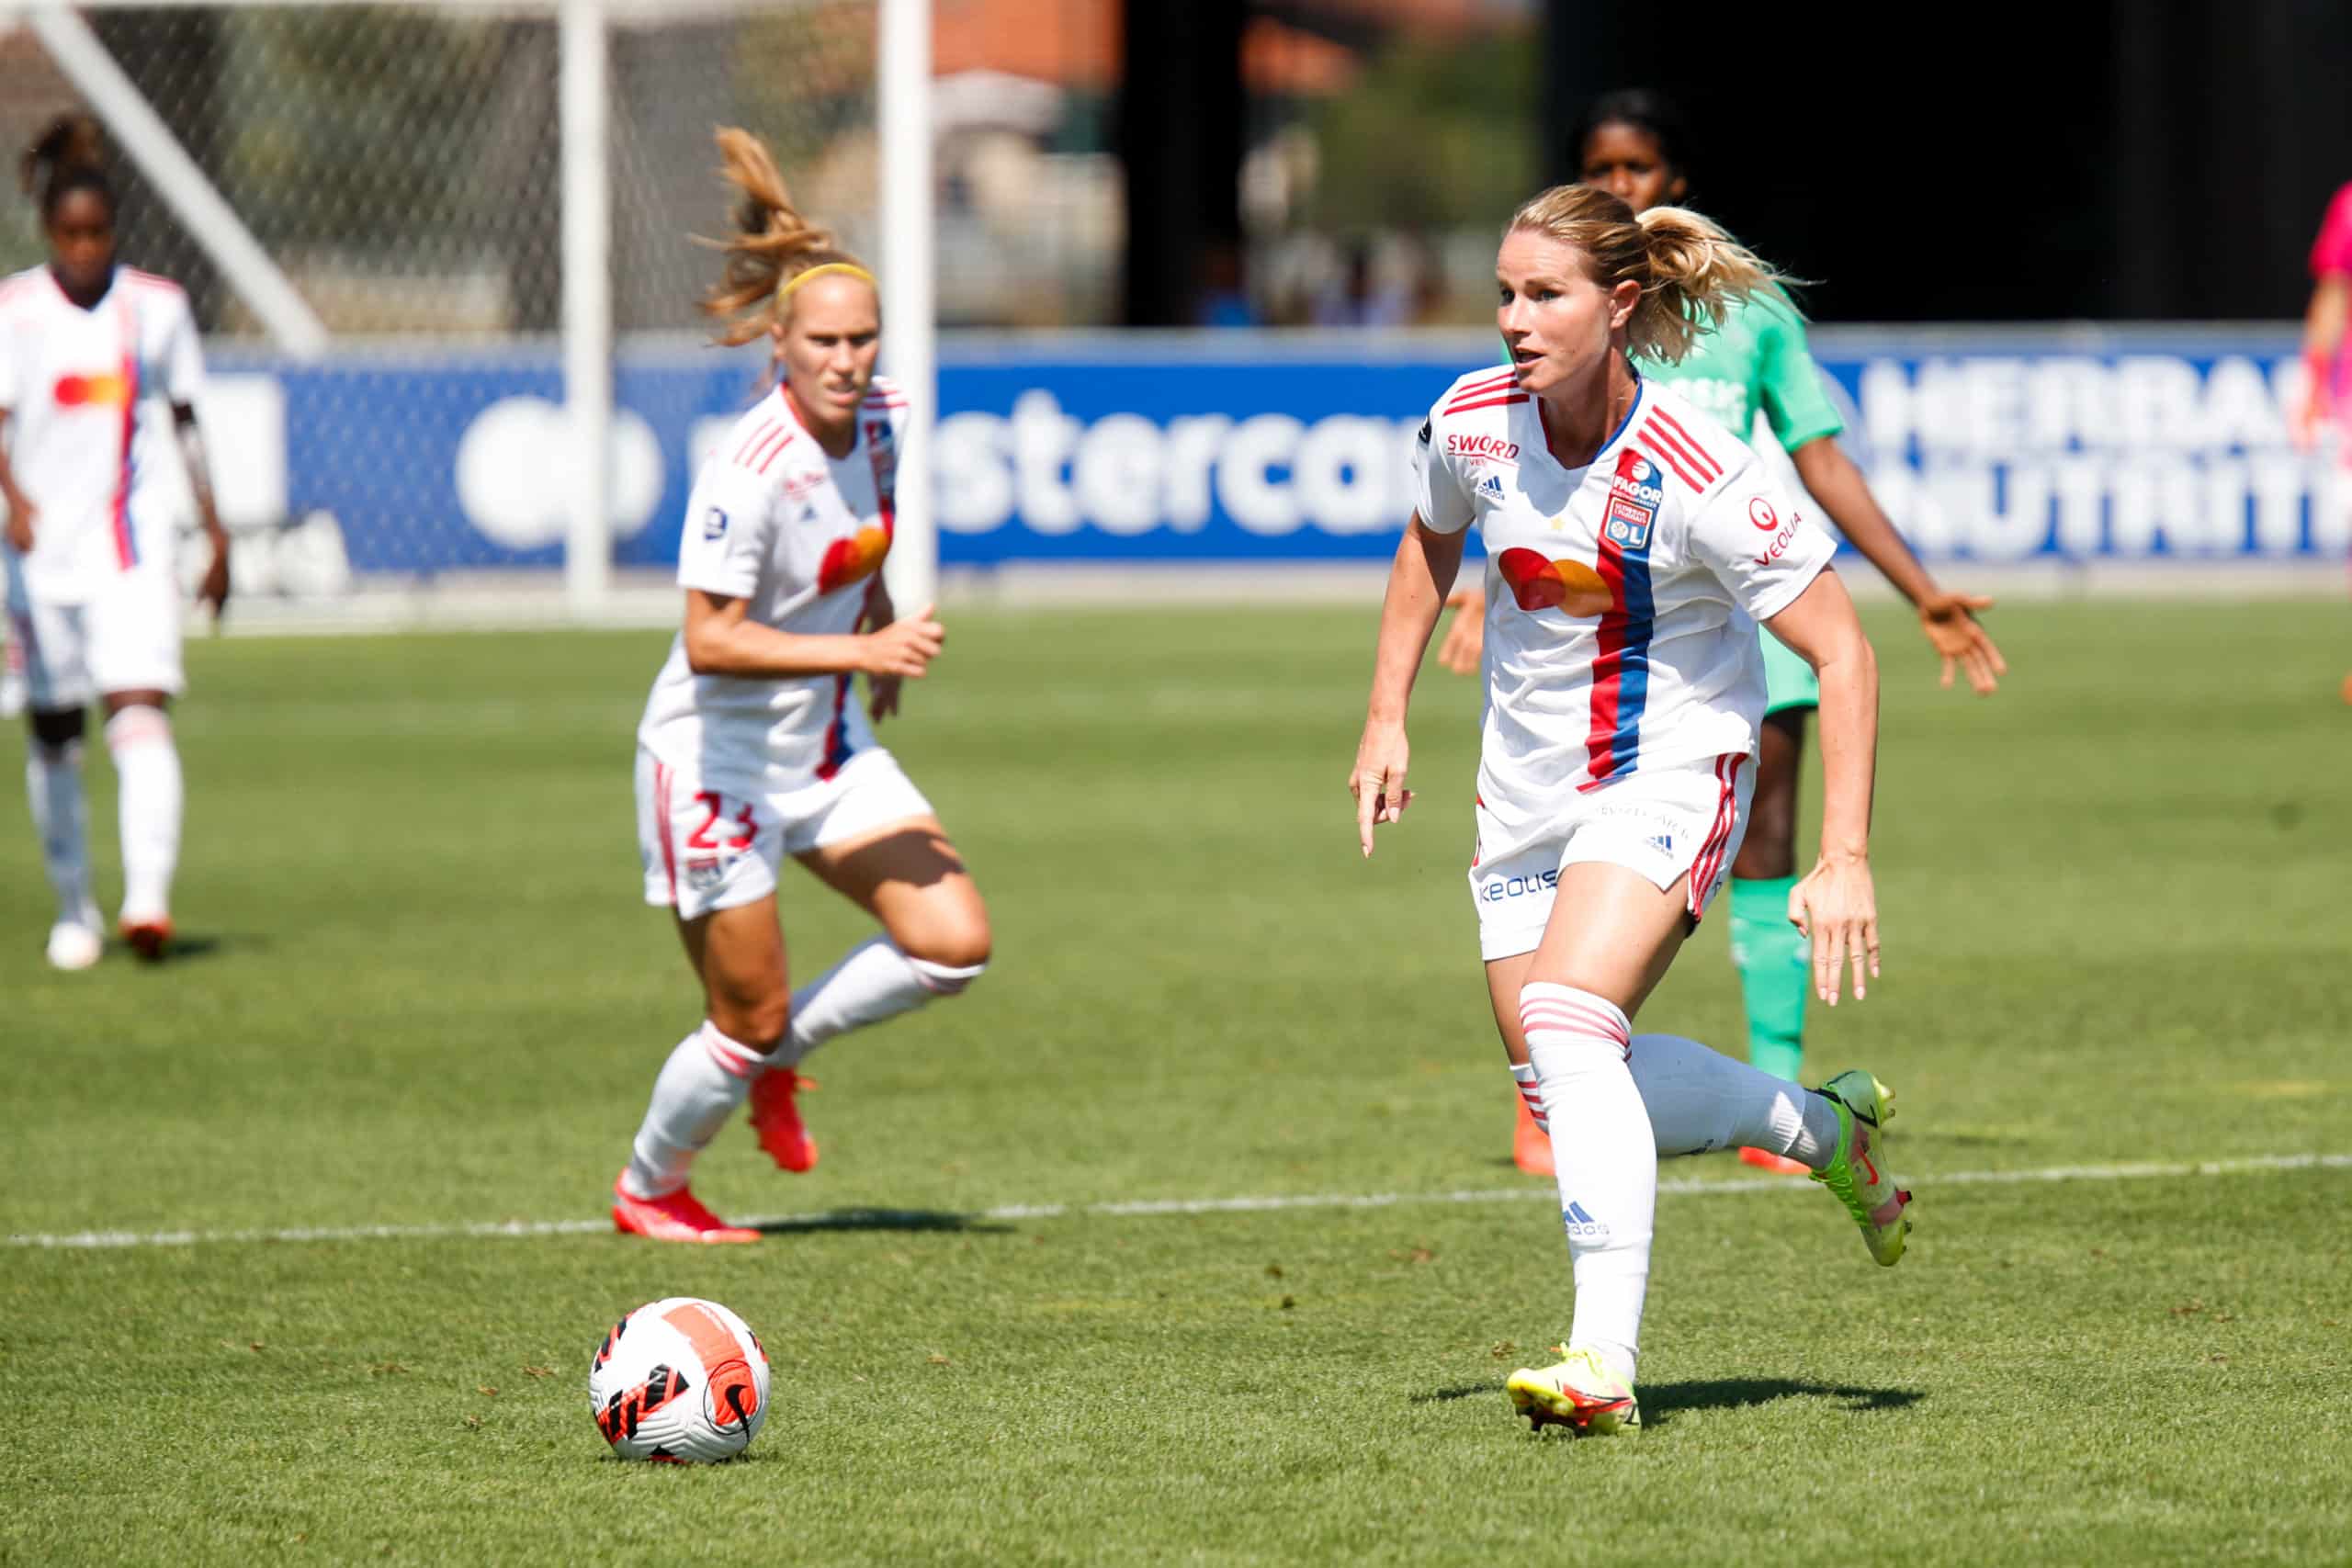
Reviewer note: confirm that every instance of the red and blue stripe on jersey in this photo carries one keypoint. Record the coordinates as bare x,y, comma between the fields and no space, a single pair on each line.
126,543
1621,667
837,746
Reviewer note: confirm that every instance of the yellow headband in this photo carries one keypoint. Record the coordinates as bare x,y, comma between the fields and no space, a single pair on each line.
847,270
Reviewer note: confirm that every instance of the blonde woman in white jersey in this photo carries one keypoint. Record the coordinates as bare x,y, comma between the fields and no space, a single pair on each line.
1633,546
754,746
92,597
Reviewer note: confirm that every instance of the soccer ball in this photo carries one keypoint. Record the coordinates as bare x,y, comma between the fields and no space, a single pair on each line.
680,1381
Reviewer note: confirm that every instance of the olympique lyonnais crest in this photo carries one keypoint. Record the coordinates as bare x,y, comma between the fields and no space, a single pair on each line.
1635,496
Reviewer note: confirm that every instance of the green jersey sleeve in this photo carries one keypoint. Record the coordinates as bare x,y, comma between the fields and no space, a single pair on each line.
1796,403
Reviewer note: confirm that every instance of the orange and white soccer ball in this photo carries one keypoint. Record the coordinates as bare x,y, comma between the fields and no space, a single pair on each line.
680,1381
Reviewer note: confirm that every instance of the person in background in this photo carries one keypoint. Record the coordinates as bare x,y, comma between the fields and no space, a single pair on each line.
2327,367
94,599
1631,145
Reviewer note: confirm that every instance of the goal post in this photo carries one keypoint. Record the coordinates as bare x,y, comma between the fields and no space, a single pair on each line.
476,183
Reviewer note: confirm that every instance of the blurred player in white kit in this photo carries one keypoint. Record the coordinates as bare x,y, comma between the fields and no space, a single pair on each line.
92,597
754,745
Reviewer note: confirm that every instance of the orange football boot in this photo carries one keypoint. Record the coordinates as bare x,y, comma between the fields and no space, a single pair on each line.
777,1119
1531,1147
677,1218
149,939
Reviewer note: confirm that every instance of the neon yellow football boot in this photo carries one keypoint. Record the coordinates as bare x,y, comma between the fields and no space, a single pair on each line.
1579,1393
1859,1174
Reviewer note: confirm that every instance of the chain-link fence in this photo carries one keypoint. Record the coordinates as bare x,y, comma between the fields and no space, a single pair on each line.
401,162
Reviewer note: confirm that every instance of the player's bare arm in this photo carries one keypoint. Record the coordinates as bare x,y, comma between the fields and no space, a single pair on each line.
21,510
882,692
1947,620
1425,566
214,590
1465,639
722,640
2323,323
1835,904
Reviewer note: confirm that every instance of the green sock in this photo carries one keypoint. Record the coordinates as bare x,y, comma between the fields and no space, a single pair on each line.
1773,973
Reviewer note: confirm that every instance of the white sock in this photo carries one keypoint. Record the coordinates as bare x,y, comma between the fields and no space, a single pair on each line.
874,981
1701,1100
1606,1158
147,771
53,785
700,1087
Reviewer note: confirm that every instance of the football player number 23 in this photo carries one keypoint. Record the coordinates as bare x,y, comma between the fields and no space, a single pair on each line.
715,805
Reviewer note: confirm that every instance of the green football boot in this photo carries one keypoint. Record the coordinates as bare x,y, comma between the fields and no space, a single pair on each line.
1859,1174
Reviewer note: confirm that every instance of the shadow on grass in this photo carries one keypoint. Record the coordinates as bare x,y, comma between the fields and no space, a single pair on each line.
900,1220
1662,1402
191,946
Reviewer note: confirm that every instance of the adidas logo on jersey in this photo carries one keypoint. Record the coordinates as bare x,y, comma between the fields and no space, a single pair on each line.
1662,842
1492,488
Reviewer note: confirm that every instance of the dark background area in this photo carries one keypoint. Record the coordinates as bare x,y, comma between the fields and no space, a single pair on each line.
2100,160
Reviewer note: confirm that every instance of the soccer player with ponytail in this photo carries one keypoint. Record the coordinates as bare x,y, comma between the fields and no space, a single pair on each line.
1633,547
1755,362
2327,347
754,745
92,597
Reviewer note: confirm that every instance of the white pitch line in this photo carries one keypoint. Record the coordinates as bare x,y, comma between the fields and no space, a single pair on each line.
841,1219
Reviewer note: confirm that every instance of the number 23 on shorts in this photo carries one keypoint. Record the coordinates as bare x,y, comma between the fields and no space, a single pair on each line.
708,836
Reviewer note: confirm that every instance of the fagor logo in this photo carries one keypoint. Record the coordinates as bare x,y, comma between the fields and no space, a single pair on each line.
1636,478
1270,473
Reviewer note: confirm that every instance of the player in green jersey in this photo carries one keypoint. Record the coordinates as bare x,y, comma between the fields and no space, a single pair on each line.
1631,145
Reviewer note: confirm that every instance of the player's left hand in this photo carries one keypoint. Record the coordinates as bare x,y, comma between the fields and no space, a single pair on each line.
1836,908
1949,621
213,592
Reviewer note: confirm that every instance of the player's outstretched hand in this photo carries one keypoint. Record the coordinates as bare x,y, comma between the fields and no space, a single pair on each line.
1949,621
905,649
1836,910
1378,781
20,525
1466,639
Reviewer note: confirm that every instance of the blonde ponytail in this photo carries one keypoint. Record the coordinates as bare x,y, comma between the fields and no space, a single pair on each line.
773,245
1696,271
1689,270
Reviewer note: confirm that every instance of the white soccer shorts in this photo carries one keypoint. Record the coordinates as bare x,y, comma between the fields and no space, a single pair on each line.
706,850
1664,824
127,639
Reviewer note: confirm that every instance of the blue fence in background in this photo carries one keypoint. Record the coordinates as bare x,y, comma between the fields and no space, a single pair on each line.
1229,448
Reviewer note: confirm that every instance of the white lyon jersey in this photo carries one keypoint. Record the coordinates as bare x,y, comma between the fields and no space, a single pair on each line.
775,521
1621,597
72,381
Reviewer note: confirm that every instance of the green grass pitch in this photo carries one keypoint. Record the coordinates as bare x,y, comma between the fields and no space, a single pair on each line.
422,993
